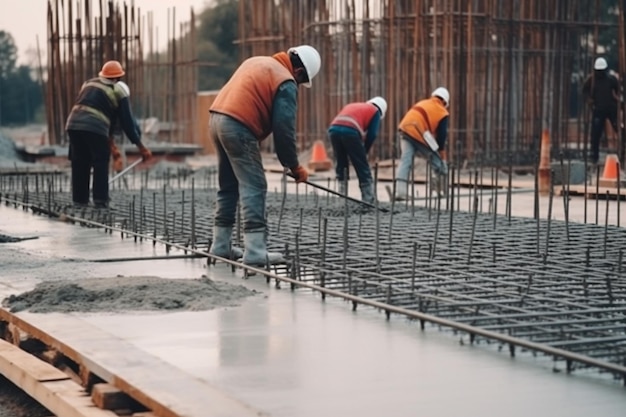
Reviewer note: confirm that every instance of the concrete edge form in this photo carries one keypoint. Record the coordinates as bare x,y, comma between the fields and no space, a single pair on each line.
49,386
147,379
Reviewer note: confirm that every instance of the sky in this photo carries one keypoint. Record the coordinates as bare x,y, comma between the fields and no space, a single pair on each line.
25,20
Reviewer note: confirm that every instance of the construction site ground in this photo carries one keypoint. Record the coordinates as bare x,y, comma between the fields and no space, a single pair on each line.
288,353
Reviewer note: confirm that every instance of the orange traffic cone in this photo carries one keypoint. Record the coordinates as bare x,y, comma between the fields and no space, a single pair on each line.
545,173
319,159
610,175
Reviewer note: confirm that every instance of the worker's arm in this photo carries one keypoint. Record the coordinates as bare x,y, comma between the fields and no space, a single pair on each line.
372,131
284,124
129,125
615,88
442,133
125,113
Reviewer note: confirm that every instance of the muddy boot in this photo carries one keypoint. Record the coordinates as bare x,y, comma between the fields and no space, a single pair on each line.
221,245
367,193
401,190
255,251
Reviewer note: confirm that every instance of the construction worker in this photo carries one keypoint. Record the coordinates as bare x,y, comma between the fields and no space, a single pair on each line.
101,102
259,99
352,133
601,90
423,130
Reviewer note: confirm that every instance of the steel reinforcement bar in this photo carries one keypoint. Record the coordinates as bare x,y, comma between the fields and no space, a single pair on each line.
548,286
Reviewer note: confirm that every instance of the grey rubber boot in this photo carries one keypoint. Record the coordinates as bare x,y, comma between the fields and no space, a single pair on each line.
255,251
342,188
222,246
401,190
367,193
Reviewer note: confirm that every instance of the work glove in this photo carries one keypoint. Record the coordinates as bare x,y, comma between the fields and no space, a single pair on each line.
145,153
300,174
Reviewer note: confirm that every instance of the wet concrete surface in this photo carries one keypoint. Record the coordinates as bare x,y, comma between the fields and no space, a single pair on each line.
291,354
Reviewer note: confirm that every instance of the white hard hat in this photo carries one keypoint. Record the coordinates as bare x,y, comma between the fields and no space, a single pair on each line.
443,94
310,59
600,64
381,103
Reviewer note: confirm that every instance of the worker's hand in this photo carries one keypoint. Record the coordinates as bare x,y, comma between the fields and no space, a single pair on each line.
115,152
145,153
118,163
300,174
116,156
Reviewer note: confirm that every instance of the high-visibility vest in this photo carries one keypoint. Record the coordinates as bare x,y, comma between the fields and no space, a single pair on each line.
249,94
357,116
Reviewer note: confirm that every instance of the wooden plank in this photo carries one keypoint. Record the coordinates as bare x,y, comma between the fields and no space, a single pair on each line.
31,367
46,384
107,397
159,386
590,192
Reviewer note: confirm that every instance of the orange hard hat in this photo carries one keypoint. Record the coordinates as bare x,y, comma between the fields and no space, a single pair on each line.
112,69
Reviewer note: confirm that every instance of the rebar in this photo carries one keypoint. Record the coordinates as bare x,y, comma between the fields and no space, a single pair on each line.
512,287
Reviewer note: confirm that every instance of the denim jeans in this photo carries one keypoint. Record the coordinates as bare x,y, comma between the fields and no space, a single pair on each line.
409,148
350,146
240,174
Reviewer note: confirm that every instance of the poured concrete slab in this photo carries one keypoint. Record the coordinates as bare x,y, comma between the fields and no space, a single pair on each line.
290,354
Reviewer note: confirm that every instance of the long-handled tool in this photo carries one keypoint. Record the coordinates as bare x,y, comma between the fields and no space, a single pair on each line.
125,170
328,190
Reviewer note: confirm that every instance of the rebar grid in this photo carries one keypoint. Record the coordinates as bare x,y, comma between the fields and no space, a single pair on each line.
554,283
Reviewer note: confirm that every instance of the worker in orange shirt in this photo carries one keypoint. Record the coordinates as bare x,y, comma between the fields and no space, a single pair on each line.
260,98
423,130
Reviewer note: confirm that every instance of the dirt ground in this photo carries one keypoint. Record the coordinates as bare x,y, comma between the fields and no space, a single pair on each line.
15,403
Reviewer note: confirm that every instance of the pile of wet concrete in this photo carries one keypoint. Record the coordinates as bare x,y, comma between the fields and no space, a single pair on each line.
123,294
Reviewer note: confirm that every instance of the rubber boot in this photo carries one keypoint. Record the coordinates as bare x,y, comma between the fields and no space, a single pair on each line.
221,245
342,188
255,251
367,193
401,190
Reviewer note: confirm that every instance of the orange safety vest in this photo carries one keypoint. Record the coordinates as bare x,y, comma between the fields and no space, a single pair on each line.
357,116
424,115
248,96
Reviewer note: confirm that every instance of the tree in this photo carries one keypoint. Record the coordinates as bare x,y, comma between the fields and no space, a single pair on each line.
216,49
8,53
20,95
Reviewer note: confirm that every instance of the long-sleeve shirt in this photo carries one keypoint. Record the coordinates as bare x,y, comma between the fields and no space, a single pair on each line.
284,123
442,133
602,90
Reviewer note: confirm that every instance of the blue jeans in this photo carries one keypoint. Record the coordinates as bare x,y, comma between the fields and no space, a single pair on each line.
350,146
409,148
240,174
